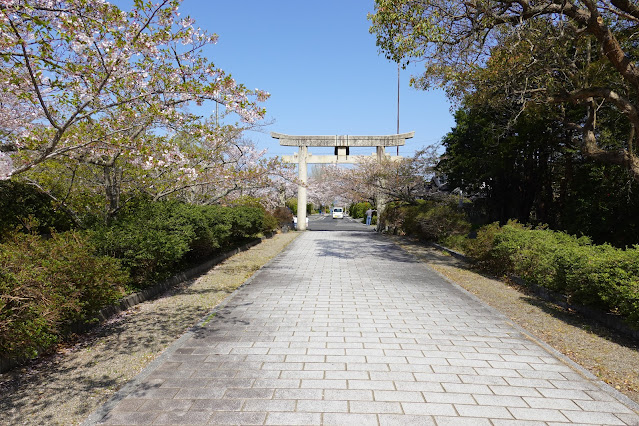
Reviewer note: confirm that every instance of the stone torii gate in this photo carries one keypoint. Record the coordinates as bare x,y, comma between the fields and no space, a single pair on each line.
342,144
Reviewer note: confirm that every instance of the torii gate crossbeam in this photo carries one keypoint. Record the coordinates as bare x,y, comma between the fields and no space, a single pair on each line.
341,142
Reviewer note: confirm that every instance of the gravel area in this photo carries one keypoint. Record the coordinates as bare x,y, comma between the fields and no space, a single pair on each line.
608,355
69,385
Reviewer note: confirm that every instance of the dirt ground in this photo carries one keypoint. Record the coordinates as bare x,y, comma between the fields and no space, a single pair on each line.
606,354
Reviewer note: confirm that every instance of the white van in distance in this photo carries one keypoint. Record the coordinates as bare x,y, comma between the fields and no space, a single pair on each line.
338,213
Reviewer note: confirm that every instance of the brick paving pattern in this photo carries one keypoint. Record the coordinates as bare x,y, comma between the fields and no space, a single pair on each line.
345,328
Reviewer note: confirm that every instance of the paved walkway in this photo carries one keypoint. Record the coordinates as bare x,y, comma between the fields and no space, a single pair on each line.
345,328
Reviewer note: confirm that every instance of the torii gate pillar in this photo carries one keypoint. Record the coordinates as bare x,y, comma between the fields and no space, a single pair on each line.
303,158
301,189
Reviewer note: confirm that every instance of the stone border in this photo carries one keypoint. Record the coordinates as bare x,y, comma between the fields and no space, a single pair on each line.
612,321
7,364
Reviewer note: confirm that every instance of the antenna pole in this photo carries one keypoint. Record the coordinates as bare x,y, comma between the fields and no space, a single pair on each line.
398,103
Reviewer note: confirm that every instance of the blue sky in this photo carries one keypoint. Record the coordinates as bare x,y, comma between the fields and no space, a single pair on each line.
322,68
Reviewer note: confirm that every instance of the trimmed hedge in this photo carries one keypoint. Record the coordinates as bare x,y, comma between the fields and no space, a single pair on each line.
599,276
152,239
427,220
24,208
47,283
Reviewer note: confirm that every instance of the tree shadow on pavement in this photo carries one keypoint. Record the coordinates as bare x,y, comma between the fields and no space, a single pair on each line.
74,372
370,246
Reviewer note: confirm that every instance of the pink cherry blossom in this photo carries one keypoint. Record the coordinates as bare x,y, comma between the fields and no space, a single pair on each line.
86,79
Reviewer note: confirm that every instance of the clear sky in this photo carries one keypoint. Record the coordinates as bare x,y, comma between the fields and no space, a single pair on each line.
322,68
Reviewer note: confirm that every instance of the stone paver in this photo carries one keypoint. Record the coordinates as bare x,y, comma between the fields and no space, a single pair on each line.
345,328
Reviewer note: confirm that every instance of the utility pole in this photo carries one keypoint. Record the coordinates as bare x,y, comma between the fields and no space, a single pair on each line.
398,104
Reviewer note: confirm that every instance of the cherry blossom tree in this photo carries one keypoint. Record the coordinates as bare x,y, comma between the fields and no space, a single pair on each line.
282,186
86,80
326,185
397,180
240,170
371,180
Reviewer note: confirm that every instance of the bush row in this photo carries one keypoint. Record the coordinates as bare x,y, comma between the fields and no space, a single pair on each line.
48,282
599,276
427,220
152,239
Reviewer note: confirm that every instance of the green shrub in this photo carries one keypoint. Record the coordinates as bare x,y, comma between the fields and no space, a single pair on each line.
20,204
603,277
607,277
392,218
219,225
401,218
456,242
428,220
47,283
480,248
441,220
283,215
246,222
270,222
149,238
358,210
153,239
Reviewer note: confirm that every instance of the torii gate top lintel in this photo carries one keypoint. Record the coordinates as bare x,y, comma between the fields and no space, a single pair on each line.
342,140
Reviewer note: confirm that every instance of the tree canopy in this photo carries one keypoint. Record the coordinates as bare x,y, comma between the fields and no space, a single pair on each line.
97,107
572,52
85,79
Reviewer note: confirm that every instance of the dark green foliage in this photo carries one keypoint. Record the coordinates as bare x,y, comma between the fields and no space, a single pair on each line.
441,220
358,210
246,222
20,204
530,171
600,276
270,222
149,238
283,215
512,165
46,283
154,238
427,220
600,201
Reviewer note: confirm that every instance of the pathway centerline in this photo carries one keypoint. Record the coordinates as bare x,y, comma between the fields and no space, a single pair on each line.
345,327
